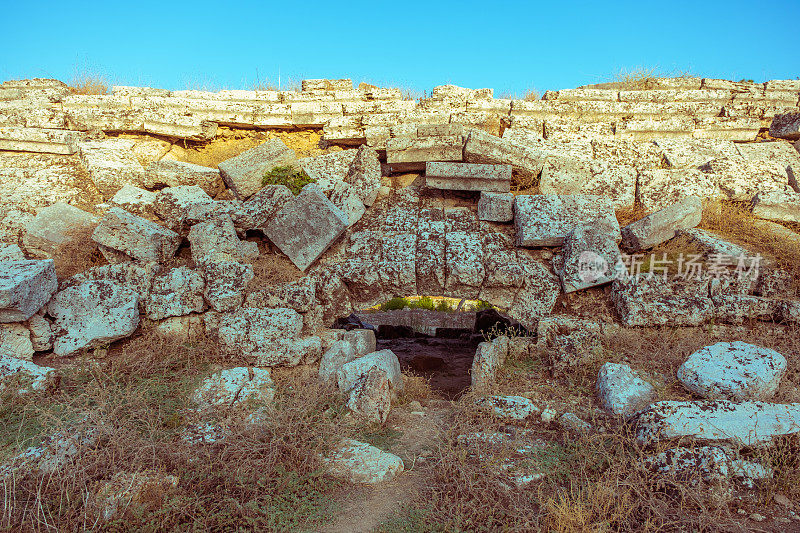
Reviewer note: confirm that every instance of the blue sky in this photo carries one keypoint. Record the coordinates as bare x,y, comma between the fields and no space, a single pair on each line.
510,46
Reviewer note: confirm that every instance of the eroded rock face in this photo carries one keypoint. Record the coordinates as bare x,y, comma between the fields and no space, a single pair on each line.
733,371
92,314
780,206
786,126
591,256
135,237
176,292
488,358
25,376
25,287
621,391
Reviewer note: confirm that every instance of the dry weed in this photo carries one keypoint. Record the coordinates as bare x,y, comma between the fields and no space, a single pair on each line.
77,253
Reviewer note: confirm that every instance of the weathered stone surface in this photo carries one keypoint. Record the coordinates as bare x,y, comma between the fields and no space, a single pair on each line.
183,205
347,200
481,147
244,173
53,226
176,292
166,173
736,308
786,126
386,360
25,287
15,339
468,177
653,301
692,153
544,220
371,396
328,169
259,209
496,206
269,336
111,164
235,386
41,333
24,375
11,252
306,226
135,236
563,173
40,140
364,175
508,407
489,356
134,275
780,206
662,225
358,462
621,391
745,423
709,463
661,188
339,353
299,295
92,314
733,371
740,179
216,240
135,200
225,284
420,150
591,255
362,340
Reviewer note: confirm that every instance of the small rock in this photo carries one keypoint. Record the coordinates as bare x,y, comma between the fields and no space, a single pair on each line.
621,391
756,517
508,407
358,462
548,415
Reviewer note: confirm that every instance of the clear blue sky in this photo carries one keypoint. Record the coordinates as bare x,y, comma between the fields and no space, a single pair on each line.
510,46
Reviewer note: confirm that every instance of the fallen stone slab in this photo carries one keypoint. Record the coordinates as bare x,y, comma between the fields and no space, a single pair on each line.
92,314
591,255
423,149
25,376
244,174
662,225
564,173
364,175
779,206
358,462
235,386
339,353
650,301
25,287
111,164
184,205
744,424
40,140
736,308
481,147
135,236
733,371
621,391
786,126
216,240
468,177
260,208
166,173
496,206
53,226
176,292
225,284
306,226
545,220
328,169
386,360
371,396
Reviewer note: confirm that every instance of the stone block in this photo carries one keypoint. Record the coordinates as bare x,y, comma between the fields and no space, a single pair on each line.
420,150
111,165
244,174
135,236
25,287
53,226
621,391
481,147
166,173
591,255
565,174
216,240
780,206
544,220
496,206
786,126
306,226
135,200
662,225
40,140
468,177
385,360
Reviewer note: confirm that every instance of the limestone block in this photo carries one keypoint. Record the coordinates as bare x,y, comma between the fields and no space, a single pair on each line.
339,353
496,206
385,360
183,205
364,174
173,123
651,301
244,173
621,391
740,179
786,126
397,267
780,153
564,174
328,169
11,252
135,236
299,295
25,287
53,226
410,150
176,292
489,356
660,188
345,197
544,220
166,173
216,240
537,298
135,200
270,336
92,314
371,396
692,153
111,165
358,462
662,225
481,147
464,259
261,207
235,386
468,177
306,226
225,284
780,206
508,407
24,374
590,255
15,340
344,84
40,140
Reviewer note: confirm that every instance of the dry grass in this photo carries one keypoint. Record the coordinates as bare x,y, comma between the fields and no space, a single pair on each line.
645,77
86,81
77,253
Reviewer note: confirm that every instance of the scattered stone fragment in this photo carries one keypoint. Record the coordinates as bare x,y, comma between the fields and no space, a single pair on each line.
259,209
591,255
135,200
496,206
92,314
41,333
53,226
707,463
489,356
244,174
662,225
306,226
23,375
25,287
733,371
371,395
15,340
780,206
358,462
339,353
235,386
216,240
509,407
183,205
135,236
386,360
621,391
544,220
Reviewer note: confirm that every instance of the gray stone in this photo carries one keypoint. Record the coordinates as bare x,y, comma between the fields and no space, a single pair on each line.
23,375
225,284
166,173
235,386
299,295
693,153
786,126
346,198
421,150
653,301
41,333
489,356
780,206
53,226
306,226
15,339
591,255
544,220
744,424
176,292
268,336
111,164
563,173
244,174
329,169
508,407
662,225
358,462
25,287
733,371
496,207
11,252
135,236
260,208
661,188
571,422
134,275
386,360
339,353
40,140
621,391
362,340
216,240
468,177
183,205
482,147
709,463
364,174
92,314
135,200
371,396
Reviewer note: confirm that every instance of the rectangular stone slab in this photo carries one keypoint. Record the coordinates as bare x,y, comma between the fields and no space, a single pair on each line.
244,174
306,226
468,177
25,287
544,220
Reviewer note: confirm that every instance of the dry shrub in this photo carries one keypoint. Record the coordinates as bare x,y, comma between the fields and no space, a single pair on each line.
415,387
87,82
269,269
77,253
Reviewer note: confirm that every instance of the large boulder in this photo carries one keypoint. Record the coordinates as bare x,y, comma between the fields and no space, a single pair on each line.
54,226
136,237
545,220
733,371
386,360
780,206
621,391
25,287
92,314
591,256
176,292
371,396
244,174
786,126
662,225
647,300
